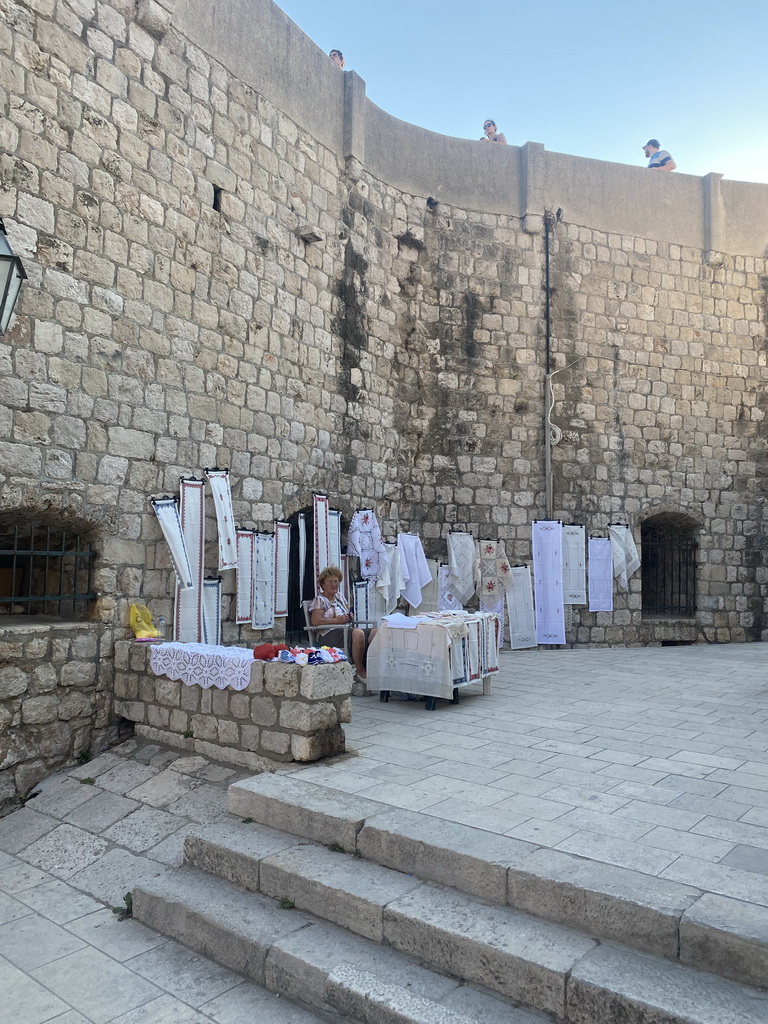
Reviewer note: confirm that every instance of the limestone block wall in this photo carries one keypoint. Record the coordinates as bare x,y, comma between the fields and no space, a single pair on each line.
55,702
286,713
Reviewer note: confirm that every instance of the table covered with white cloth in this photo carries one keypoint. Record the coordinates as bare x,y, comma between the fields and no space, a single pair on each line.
443,651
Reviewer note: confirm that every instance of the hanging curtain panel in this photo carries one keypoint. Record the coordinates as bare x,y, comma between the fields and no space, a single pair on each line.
574,565
626,560
446,602
212,610
282,555
244,595
225,517
322,553
600,575
334,537
522,629
167,512
548,581
188,606
263,581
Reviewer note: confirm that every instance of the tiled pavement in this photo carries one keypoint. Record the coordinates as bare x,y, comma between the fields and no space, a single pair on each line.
654,759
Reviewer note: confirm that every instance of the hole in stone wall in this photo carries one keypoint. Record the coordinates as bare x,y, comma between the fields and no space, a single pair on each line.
217,197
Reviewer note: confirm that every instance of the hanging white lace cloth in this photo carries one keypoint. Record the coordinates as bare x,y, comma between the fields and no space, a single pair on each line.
548,581
244,595
390,583
445,598
203,665
334,537
322,552
188,608
282,556
212,610
574,565
462,564
413,565
626,560
364,540
600,575
167,512
263,581
522,629
225,517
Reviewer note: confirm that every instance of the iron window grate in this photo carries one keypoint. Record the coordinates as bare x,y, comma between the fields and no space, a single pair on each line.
45,571
669,572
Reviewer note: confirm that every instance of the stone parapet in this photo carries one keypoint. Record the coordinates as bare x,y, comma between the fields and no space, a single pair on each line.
286,713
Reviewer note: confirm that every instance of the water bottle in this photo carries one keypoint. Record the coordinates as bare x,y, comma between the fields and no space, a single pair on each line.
161,627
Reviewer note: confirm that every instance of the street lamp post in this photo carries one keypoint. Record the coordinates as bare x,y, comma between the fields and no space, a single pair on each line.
12,273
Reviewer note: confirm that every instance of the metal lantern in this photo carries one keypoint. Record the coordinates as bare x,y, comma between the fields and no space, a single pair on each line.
12,273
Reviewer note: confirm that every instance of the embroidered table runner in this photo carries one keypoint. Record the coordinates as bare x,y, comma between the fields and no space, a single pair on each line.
203,665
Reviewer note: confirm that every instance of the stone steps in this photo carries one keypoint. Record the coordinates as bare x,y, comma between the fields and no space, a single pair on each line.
311,962
710,932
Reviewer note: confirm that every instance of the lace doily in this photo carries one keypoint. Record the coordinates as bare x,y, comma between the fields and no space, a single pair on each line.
203,664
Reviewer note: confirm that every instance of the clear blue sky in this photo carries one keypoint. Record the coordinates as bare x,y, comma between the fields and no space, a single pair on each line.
594,78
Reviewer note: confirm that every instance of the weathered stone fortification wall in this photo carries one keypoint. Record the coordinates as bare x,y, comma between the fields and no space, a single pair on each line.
157,162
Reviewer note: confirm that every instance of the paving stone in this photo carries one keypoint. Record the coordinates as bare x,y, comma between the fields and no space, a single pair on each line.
126,776
719,878
119,939
612,984
620,852
248,1004
301,808
11,909
95,984
335,886
528,960
114,874
60,795
65,851
101,812
164,1010
297,964
216,773
686,843
430,848
206,913
22,827
171,850
96,767
189,765
142,829
20,877
485,1009
205,804
32,1003
58,901
747,858
34,941
234,851
362,995
726,937
163,788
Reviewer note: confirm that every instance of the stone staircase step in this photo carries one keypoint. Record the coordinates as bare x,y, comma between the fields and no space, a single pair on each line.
309,962
660,916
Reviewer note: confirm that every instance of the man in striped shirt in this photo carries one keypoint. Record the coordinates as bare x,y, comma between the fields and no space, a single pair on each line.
660,160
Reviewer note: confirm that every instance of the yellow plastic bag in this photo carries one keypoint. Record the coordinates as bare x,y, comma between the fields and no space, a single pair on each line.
141,623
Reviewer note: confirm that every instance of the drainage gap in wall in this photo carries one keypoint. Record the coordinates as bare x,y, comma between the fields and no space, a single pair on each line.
676,643
217,197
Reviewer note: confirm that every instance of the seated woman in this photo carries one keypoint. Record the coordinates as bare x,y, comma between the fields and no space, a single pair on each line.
330,609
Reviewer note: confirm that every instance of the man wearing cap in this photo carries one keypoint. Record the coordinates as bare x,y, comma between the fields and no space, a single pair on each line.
660,160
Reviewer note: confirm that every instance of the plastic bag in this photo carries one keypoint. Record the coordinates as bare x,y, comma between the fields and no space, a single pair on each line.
141,623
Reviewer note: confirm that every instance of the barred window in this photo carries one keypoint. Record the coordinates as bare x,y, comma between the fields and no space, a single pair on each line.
45,571
669,547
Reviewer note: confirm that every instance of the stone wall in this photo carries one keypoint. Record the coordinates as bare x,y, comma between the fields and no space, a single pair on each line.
286,713
158,163
55,702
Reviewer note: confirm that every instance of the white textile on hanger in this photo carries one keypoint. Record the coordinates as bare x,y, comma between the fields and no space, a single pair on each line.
225,517
522,629
446,602
244,595
414,568
626,560
429,593
390,583
320,504
282,557
212,610
364,540
600,575
188,606
334,537
263,581
462,566
302,552
574,565
167,512
548,581
494,569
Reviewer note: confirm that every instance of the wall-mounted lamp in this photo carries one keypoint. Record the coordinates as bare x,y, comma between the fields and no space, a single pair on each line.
12,273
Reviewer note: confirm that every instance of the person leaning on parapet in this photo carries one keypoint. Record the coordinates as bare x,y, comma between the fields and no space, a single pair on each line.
660,160
491,134
337,57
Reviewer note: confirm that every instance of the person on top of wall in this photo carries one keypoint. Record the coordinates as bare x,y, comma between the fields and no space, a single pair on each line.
491,134
660,160
330,609
338,58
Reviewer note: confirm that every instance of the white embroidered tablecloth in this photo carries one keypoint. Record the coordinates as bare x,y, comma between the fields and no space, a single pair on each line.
203,665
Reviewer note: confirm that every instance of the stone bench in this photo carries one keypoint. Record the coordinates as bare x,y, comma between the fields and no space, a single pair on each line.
286,713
